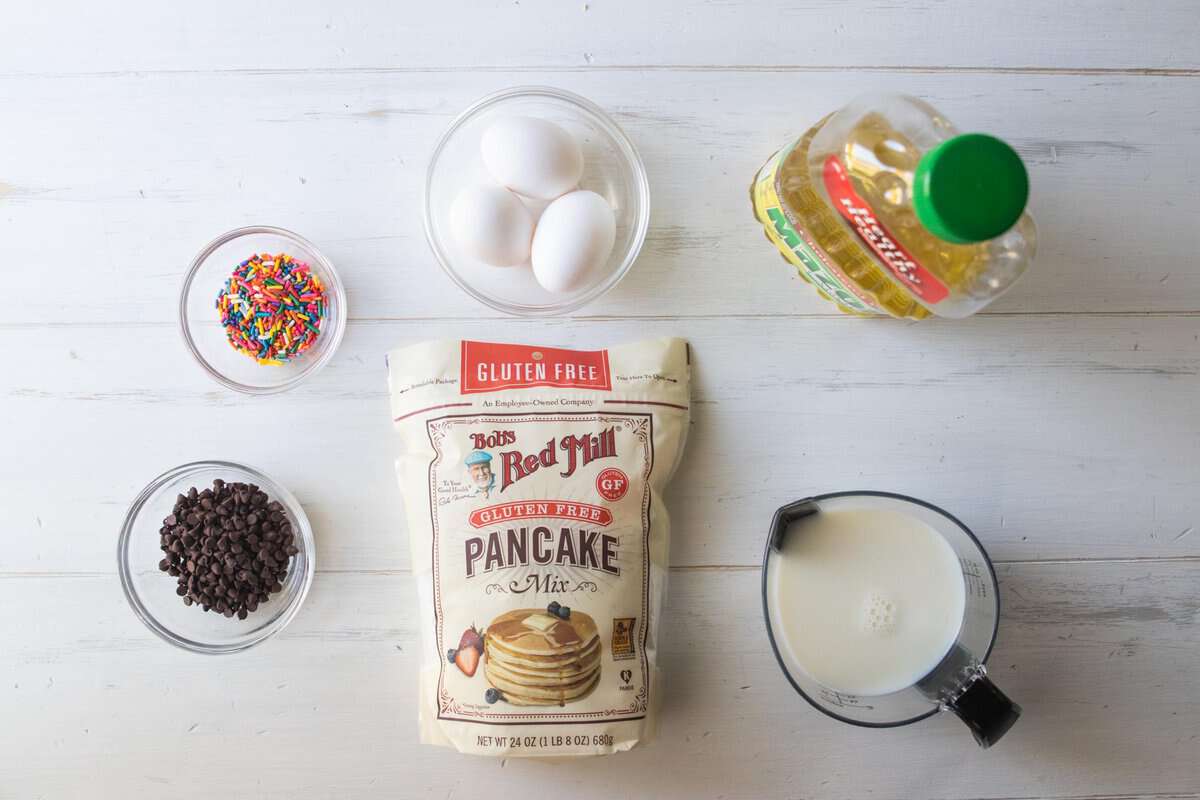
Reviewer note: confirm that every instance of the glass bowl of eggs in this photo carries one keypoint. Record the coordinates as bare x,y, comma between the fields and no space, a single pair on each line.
536,202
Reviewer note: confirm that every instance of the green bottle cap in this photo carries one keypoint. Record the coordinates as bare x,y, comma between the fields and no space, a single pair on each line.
970,188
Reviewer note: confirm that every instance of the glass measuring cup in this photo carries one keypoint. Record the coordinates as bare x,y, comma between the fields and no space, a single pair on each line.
957,683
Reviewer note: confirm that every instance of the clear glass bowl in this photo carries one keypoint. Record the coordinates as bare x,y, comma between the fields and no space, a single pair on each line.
151,592
200,321
612,168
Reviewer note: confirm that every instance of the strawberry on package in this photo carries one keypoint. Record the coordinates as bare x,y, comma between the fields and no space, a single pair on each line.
533,480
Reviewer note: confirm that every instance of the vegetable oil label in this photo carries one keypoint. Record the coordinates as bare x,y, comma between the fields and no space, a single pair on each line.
532,478
799,248
856,211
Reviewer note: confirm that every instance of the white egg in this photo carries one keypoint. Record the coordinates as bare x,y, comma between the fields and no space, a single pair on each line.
574,237
531,156
492,224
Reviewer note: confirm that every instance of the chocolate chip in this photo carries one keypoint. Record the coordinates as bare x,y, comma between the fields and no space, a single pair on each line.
229,547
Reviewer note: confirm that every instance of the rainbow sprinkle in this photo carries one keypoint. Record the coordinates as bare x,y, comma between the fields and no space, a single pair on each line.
272,307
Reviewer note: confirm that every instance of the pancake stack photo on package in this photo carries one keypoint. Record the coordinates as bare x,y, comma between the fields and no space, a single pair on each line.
538,657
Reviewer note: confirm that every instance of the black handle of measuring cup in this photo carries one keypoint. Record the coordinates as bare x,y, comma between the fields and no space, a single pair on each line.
985,709
785,516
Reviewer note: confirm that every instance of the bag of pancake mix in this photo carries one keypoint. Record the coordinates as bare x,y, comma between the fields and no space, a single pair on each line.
533,481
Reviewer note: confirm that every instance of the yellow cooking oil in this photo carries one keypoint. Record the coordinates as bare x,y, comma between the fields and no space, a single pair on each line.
887,210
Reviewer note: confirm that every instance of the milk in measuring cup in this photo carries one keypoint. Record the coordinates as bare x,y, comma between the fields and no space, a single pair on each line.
868,601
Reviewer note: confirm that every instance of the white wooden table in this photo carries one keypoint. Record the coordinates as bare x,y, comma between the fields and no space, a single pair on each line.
1063,425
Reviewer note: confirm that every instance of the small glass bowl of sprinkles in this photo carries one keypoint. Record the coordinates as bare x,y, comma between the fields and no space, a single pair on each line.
262,309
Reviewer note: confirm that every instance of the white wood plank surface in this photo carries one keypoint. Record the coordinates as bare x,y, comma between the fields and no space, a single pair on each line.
63,36
1062,425
1055,437
341,159
1101,656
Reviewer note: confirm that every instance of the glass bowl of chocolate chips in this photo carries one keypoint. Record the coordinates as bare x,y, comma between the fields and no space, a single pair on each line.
215,557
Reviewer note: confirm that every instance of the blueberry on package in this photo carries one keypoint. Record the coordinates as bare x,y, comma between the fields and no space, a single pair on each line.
533,479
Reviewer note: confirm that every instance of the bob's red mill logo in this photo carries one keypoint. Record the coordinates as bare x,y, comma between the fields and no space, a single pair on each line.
490,367
577,451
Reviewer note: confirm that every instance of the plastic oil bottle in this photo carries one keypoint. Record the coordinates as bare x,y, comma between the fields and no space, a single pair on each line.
887,209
